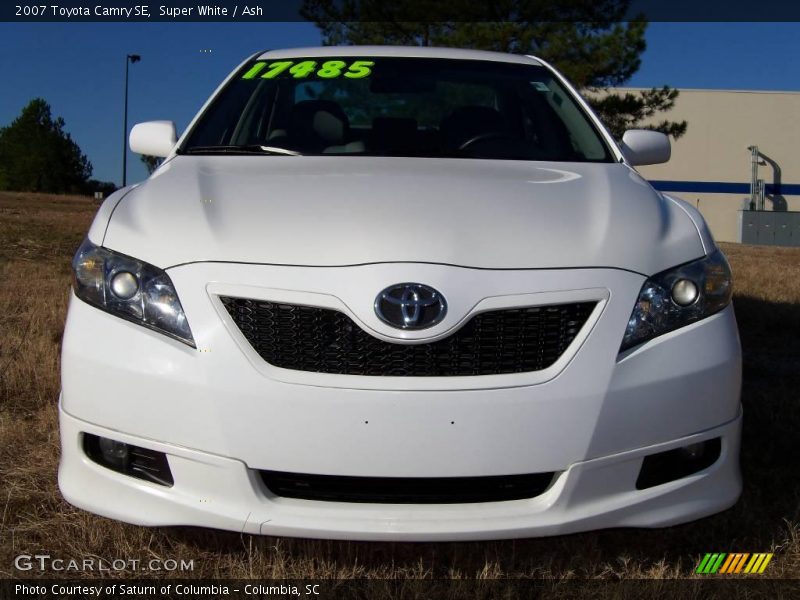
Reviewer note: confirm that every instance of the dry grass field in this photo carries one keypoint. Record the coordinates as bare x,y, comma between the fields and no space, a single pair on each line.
39,234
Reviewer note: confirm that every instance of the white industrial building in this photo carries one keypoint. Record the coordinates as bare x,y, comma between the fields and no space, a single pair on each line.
712,165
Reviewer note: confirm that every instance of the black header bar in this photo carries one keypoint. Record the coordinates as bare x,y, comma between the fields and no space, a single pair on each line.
292,10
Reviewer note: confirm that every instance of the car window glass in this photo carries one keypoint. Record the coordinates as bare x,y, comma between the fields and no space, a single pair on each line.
378,106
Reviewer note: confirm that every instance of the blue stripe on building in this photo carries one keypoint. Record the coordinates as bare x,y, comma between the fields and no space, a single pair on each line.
723,187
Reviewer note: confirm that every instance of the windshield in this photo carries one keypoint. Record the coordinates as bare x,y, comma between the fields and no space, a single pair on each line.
379,106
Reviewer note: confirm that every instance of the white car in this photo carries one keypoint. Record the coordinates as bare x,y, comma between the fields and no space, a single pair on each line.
399,294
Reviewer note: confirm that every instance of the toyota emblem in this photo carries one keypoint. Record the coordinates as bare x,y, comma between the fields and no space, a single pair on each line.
410,306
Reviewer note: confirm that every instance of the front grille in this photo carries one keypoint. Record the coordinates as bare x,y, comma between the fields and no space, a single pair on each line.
321,340
406,490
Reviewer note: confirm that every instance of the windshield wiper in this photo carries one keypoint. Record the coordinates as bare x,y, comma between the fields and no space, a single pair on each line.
242,149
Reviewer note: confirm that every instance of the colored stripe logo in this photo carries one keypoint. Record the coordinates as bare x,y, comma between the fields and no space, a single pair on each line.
732,563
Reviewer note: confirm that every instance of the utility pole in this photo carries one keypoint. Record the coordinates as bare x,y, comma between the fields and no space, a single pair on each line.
129,59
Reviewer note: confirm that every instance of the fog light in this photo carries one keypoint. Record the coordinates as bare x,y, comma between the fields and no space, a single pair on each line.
684,292
141,463
694,451
664,467
124,285
113,451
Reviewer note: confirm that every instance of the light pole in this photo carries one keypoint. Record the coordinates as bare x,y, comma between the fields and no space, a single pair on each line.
129,59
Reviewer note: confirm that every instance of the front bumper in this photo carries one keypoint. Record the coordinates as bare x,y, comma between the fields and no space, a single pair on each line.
218,492
221,413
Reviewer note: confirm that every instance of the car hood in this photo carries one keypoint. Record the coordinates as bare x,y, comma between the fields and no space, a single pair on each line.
334,211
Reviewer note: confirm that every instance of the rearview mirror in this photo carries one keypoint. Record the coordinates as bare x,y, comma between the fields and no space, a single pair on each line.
153,138
645,147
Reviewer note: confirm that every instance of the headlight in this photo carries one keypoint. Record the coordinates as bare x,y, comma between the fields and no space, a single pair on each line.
679,296
129,289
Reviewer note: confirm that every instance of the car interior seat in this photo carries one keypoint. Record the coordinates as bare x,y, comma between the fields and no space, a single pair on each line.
318,127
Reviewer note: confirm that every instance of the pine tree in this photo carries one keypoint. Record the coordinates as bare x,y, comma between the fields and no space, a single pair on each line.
150,162
38,155
587,40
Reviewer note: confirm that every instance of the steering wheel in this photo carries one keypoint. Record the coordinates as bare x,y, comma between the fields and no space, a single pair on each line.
491,135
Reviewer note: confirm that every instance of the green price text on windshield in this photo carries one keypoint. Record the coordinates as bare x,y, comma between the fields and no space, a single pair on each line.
329,69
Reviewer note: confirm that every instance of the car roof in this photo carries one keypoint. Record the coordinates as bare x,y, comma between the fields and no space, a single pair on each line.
399,51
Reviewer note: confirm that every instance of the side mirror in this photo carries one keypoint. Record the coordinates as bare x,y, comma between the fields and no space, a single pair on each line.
154,138
645,147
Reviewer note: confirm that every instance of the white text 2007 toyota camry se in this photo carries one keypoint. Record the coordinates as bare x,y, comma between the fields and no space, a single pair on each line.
399,294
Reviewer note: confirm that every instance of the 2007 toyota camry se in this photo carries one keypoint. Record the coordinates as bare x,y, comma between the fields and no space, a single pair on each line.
399,294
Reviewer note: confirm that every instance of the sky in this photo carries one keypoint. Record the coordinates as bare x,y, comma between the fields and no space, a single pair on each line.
79,68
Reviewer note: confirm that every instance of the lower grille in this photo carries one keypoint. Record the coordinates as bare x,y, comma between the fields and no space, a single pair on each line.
321,340
406,490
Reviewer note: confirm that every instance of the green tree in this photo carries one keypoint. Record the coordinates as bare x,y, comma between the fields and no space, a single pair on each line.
588,40
150,162
37,155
